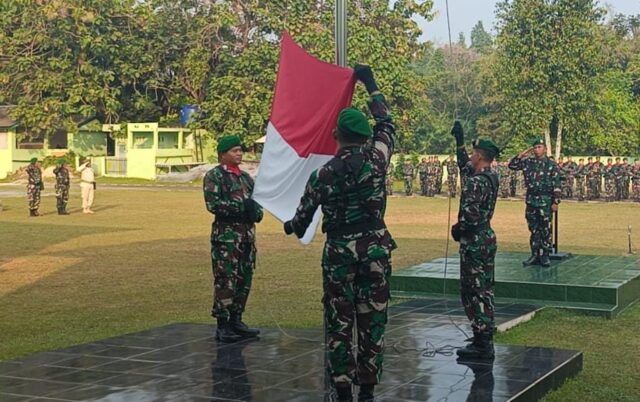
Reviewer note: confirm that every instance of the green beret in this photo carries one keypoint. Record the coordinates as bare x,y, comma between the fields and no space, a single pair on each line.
351,120
487,145
33,160
538,141
61,161
227,142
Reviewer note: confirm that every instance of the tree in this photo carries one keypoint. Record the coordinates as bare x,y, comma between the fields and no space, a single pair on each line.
481,40
549,52
69,58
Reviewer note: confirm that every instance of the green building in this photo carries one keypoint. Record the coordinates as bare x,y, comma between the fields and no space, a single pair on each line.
140,150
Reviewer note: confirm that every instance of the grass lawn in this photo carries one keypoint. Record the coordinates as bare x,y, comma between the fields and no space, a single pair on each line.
143,261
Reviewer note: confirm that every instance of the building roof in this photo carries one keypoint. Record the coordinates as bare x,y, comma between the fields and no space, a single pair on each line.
5,120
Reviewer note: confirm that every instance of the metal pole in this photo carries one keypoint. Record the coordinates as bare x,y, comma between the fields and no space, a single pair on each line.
341,32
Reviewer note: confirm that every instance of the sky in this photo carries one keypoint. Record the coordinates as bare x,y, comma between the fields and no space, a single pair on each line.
464,14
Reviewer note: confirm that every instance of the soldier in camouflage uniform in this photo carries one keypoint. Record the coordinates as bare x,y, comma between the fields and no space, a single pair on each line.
62,186
452,176
478,244
437,166
610,173
625,172
389,179
408,174
569,172
513,187
227,195
542,178
596,171
34,186
356,261
635,178
580,174
423,174
505,179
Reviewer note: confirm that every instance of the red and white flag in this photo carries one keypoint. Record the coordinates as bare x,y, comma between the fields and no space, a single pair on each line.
308,97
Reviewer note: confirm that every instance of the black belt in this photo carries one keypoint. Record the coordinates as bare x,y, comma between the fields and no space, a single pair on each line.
356,228
235,220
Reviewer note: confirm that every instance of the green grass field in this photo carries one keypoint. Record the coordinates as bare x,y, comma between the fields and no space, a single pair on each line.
143,261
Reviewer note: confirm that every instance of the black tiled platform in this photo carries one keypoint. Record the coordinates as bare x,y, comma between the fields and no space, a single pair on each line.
603,285
183,362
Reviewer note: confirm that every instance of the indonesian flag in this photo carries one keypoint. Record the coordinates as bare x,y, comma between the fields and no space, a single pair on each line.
308,97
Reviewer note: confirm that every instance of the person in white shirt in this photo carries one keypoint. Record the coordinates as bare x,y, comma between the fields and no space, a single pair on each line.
87,186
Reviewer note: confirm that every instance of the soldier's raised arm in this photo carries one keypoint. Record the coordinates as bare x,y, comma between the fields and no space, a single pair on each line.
384,130
464,163
516,162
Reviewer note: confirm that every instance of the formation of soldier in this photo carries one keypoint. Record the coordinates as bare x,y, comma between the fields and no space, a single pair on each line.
593,180
430,175
35,185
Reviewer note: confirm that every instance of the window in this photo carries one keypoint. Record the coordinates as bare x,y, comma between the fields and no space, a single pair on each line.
142,140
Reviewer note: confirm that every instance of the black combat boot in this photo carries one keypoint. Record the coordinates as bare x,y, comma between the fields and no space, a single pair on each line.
60,211
33,212
241,328
533,260
481,347
544,259
366,393
344,394
224,333
64,210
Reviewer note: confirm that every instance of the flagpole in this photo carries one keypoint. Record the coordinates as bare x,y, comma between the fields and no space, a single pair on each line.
340,36
341,32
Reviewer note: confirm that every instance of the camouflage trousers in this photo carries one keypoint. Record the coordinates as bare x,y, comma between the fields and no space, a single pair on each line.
233,265
33,196
408,185
539,223
62,196
624,193
580,189
356,292
593,189
504,189
424,184
477,263
513,188
452,183
567,187
636,190
610,189
389,186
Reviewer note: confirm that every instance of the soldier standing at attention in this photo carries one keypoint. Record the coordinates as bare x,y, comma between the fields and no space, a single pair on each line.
626,178
452,176
513,190
569,168
580,173
356,261
423,173
542,179
478,244
610,172
408,172
635,177
589,181
227,195
62,186
34,186
597,169
505,179
438,173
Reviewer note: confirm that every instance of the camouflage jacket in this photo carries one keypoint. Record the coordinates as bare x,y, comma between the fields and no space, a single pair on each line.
34,175
595,170
452,168
62,177
407,169
423,168
479,195
224,195
350,188
541,178
581,171
569,169
635,173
